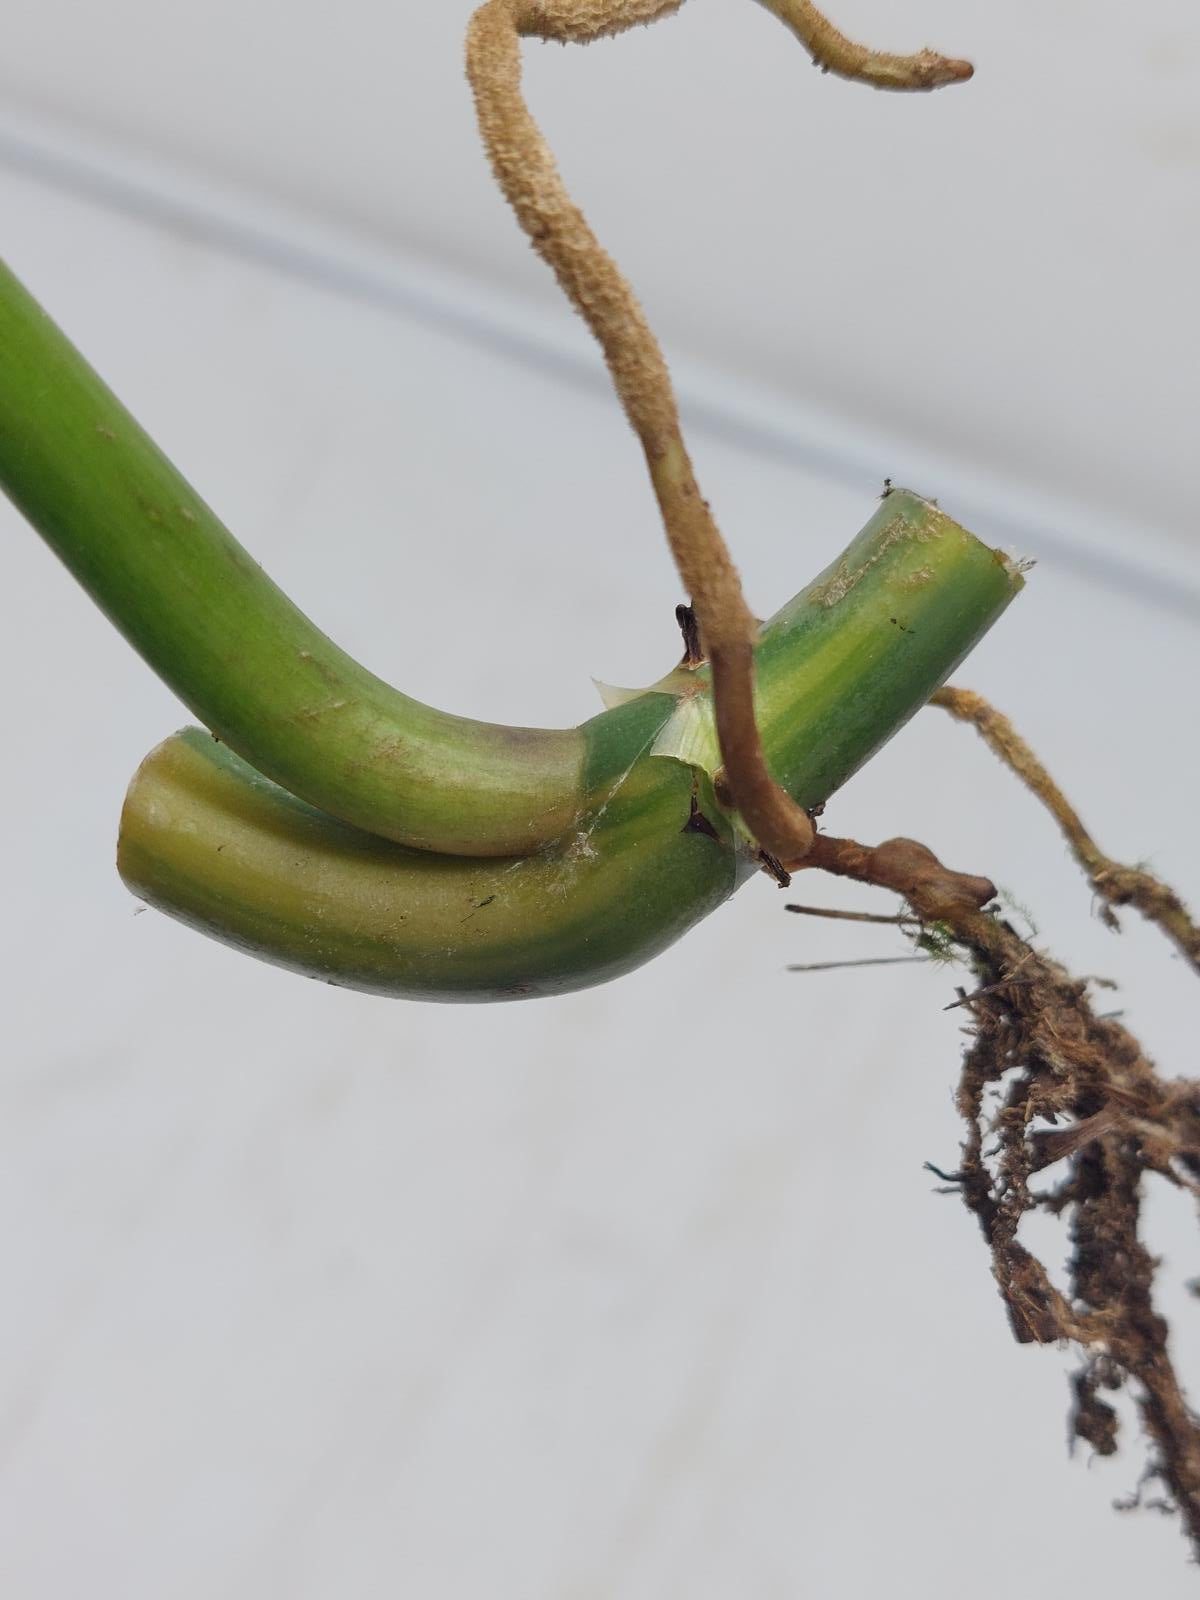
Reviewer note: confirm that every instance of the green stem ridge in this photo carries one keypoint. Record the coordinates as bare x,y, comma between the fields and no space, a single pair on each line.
332,825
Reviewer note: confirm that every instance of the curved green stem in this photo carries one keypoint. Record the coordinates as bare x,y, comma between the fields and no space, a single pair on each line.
206,839
371,841
232,646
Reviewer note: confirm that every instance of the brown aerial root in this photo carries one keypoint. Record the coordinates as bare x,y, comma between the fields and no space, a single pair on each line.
833,52
526,172
1045,1080
1115,884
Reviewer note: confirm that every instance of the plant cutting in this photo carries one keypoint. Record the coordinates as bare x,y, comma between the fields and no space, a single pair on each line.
331,824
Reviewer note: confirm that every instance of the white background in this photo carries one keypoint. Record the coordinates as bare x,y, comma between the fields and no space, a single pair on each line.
641,1292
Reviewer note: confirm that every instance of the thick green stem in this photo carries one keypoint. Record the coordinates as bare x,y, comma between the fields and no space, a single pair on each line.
231,645
206,839
844,665
840,669
466,861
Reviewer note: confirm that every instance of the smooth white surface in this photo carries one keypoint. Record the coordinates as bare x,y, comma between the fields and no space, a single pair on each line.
1007,268
638,1293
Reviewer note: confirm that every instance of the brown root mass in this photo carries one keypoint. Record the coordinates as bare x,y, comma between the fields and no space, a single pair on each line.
1046,1081
1077,1089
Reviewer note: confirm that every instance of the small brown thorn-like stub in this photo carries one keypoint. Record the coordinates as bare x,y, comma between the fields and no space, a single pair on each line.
693,653
774,868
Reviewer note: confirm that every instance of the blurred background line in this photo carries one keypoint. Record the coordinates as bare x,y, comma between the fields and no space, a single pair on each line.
1132,561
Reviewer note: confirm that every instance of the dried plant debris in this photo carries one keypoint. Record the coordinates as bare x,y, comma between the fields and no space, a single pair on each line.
1065,1115
1050,1090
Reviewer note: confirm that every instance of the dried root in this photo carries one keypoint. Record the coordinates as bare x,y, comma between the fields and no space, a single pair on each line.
1116,885
1047,1084
833,52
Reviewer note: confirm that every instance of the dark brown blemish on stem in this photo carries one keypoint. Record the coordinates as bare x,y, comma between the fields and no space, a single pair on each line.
697,822
693,651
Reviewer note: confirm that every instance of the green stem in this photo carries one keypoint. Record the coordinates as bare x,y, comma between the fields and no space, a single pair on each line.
369,840
207,840
231,645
